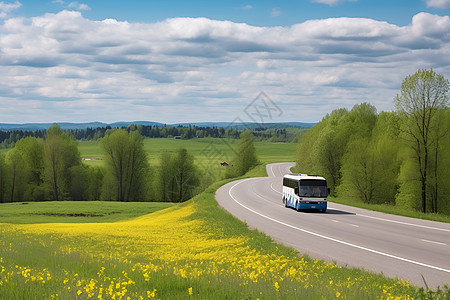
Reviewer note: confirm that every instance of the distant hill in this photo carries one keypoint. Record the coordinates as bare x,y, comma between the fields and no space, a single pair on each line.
44,126
249,125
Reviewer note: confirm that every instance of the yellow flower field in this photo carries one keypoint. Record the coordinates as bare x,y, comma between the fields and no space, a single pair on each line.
170,254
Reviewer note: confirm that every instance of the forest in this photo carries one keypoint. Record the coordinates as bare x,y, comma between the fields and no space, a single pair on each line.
8,138
400,158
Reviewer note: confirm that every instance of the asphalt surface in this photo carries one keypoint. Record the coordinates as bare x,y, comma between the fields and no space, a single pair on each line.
396,246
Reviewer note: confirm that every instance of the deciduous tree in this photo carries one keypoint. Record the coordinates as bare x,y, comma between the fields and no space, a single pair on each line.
127,173
244,157
2,178
421,97
60,154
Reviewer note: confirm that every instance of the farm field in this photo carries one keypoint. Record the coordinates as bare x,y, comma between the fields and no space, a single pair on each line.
208,152
76,211
204,149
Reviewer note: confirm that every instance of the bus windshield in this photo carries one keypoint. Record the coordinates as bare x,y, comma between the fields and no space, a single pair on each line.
313,188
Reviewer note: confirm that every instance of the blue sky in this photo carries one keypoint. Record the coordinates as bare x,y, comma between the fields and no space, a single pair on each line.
191,61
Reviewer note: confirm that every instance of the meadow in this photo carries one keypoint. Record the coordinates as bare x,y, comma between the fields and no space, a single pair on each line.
208,153
193,250
204,149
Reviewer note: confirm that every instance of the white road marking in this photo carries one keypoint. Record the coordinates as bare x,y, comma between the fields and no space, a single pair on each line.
439,243
333,239
271,186
404,223
271,169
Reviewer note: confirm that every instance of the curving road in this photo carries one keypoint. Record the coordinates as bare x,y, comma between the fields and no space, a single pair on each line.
396,246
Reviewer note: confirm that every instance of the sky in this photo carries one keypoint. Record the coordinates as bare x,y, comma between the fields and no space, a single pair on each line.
206,61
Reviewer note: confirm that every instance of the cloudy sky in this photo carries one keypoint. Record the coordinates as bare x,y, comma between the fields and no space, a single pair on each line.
192,61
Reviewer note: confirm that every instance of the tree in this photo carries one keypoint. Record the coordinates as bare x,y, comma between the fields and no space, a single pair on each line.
127,173
359,162
421,97
330,146
244,155
60,154
440,165
187,179
32,152
178,176
358,168
86,182
17,175
2,178
166,176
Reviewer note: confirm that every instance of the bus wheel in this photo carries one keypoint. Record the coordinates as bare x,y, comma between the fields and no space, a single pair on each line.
324,210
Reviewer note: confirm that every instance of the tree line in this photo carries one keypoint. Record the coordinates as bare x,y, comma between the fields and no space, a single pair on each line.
50,168
8,138
401,157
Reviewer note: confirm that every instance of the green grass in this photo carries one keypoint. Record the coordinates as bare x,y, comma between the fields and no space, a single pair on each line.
75,211
211,150
208,152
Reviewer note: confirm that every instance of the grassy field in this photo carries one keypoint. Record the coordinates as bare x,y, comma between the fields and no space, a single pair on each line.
205,149
208,152
76,211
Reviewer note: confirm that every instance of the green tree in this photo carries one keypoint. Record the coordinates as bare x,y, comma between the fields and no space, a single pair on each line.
385,149
244,157
422,96
166,176
60,154
86,182
330,146
3,176
187,179
359,176
179,178
439,189
32,152
17,175
358,171
127,172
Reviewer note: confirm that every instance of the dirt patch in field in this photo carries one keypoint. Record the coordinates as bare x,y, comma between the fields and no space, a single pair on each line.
74,214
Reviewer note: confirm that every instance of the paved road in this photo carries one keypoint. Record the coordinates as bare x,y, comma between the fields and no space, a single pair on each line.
396,246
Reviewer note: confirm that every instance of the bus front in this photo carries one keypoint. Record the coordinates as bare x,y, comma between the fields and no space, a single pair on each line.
313,194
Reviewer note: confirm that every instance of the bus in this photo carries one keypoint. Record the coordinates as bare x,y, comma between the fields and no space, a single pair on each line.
302,191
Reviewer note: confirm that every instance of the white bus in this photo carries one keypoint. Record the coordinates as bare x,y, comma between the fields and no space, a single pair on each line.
302,191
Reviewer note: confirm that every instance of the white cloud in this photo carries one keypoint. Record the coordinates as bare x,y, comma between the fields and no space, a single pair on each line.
438,3
78,6
6,8
275,12
248,6
74,69
332,2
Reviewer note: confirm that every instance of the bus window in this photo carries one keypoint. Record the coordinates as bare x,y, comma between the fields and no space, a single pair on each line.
313,188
